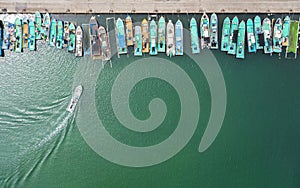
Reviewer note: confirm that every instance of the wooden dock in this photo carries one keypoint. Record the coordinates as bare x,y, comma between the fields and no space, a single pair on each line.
150,6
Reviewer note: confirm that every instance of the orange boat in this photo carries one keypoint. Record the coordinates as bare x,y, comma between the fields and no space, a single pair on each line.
145,36
25,33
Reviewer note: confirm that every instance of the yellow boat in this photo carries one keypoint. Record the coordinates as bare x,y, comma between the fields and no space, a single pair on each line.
145,36
129,33
25,33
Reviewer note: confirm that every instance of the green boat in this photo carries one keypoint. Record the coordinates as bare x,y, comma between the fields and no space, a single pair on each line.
266,28
32,37
52,37
225,35
240,51
250,36
277,36
46,27
233,36
204,32
38,25
285,31
161,35
153,36
72,35
60,35
214,44
194,37
19,36
259,36
120,35
293,39
138,41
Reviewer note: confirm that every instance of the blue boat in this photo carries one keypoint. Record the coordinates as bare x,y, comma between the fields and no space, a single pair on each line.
178,38
233,36
6,36
1,38
138,41
60,35
53,29
153,37
225,35
240,51
250,36
194,36
120,32
32,32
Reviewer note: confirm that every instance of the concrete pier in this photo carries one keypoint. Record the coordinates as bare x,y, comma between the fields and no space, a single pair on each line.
150,6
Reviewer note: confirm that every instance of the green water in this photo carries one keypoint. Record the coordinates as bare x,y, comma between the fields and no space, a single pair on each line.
41,145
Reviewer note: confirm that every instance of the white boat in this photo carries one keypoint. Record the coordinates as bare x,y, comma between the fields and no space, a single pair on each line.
170,39
75,98
78,46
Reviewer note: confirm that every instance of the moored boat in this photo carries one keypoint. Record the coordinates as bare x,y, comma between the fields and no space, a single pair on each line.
18,47
161,41
293,39
153,37
129,32
250,36
94,38
46,27
12,37
121,41
66,34
194,36
105,47
145,36
259,36
78,45
170,39
53,29
60,34
285,31
240,51
204,31
32,38
25,33
1,38
266,28
214,44
138,41
6,35
277,36
233,36
38,25
72,40
178,38
75,98
225,35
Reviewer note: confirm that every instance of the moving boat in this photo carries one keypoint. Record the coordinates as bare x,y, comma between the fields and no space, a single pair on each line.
233,36
240,52
194,36
145,36
179,38
25,33
138,41
204,32
6,36
66,34
285,31
120,32
225,35
72,38
214,44
266,28
46,27
32,33
18,47
105,48
79,47
60,34
259,36
1,38
161,35
170,39
129,32
250,36
94,38
293,39
38,25
53,30
75,98
153,37
277,36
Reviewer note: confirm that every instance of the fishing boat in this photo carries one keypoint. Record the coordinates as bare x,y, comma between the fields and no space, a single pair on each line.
250,36
259,35
214,44
153,37
38,25
60,35
120,32
204,31
6,35
277,36
293,39
194,36
46,27
79,48
225,35
161,41
18,47
129,32
25,33
233,36
106,54
178,38
138,41
32,33
53,30
72,40
266,28
285,31
66,34
94,38
1,38
240,51
75,98
170,39
145,36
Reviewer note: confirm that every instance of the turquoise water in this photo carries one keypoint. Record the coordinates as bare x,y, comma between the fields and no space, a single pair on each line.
41,144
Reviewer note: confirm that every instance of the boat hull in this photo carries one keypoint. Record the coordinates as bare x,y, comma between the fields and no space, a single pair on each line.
225,35
170,39
121,41
161,35
138,41
250,36
75,98
214,43
233,36
240,50
179,38
194,37
153,37
32,37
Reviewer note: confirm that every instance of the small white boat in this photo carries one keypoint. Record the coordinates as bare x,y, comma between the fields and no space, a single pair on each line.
75,98
170,39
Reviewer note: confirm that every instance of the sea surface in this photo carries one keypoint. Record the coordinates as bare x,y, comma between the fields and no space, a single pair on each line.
41,144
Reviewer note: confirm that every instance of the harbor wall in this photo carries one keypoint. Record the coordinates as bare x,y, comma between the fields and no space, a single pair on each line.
150,6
